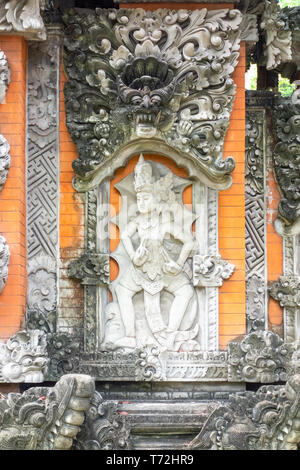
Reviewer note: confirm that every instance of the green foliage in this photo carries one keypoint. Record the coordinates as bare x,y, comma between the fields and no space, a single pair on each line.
285,87
289,3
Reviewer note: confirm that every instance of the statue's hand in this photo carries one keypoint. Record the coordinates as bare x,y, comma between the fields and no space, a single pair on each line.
171,267
140,256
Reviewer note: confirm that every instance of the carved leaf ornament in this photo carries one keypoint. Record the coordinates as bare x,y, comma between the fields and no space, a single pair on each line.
164,75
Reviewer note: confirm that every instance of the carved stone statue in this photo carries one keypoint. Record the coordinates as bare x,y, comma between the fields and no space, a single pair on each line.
155,246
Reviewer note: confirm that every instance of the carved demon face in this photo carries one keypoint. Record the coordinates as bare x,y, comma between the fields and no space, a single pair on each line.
147,87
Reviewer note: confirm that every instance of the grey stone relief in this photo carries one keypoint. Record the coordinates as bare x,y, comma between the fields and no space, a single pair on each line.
4,262
22,17
255,213
45,418
184,111
287,169
23,358
4,76
4,167
264,420
43,180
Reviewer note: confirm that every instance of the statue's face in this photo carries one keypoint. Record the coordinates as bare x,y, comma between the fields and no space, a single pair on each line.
145,202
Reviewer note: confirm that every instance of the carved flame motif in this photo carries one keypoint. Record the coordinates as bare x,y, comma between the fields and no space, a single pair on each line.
165,74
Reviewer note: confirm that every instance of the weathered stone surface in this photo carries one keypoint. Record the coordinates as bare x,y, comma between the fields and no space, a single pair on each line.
91,269
23,358
185,104
211,270
261,356
105,428
287,164
4,262
264,420
4,160
22,17
4,76
44,418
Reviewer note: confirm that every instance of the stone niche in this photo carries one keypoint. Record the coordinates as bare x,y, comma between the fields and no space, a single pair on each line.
149,95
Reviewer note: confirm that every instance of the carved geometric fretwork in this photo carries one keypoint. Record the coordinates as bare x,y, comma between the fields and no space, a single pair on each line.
183,109
255,220
43,174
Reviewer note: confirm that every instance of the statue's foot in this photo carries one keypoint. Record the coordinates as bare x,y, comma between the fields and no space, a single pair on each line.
126,342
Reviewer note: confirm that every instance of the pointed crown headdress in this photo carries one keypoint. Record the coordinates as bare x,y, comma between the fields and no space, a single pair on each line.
143,176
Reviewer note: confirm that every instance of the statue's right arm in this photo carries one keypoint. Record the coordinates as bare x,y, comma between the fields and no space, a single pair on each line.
126,238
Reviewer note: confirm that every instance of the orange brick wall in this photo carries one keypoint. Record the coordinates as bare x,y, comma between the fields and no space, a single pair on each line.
13,195
232,296
71,226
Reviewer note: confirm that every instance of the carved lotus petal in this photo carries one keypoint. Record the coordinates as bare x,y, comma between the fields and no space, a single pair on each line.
119,57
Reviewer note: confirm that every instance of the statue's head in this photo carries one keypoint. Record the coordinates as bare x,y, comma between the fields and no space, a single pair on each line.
151,193
143,185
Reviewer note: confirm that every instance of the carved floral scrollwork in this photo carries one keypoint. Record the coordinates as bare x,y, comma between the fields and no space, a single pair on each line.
164,74
22,16
264,420
90,269
4,76
210,271
105,428
286,290
287,160
278,40
4,262
4,160
149,365
261,356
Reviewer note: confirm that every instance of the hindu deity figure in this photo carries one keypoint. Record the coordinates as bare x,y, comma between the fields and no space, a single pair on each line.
152,268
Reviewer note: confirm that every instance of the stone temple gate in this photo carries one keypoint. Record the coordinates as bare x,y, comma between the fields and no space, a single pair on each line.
150,226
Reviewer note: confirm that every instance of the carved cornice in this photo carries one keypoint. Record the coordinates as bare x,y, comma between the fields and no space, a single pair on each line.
22,17
261,356
45,418
183,106
287,163
91,269
263,420
210,271
286,290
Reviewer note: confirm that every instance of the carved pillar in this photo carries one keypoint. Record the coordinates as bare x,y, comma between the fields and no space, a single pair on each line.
256,292
287,169
43,178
